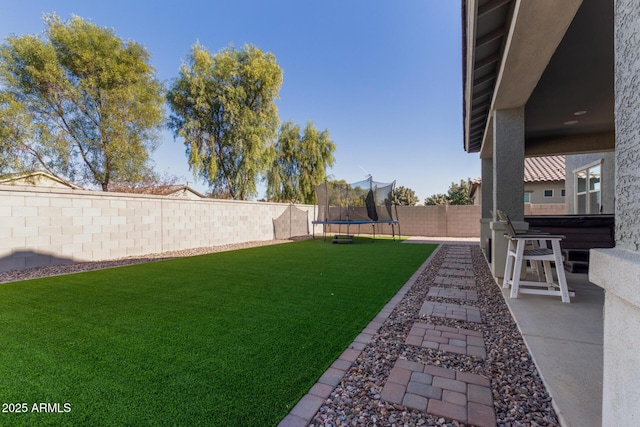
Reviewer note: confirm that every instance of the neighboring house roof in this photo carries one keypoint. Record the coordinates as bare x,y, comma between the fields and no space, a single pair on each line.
37,179
536,169
167,190
544,169
178,191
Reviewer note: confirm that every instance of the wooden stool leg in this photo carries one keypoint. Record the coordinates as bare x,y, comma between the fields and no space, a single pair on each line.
562,279
515,285
508,268
548,272
538,266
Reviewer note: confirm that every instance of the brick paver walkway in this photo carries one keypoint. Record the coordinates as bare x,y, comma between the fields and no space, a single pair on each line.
460,396
451,311
455,281
456,272
445,338
453,294
458,264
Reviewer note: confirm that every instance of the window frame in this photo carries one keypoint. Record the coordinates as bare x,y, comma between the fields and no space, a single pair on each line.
588,192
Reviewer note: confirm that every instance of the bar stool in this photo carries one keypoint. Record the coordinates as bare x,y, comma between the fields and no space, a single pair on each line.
517,254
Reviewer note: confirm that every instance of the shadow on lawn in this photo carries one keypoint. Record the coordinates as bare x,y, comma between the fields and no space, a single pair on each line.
23,265
21,260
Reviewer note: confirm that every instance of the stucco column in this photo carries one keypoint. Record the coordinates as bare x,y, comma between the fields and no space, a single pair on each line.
508,179
618,270
487,202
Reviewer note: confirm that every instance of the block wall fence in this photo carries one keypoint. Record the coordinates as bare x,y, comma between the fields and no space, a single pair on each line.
545,209
50,226
445,220
429,221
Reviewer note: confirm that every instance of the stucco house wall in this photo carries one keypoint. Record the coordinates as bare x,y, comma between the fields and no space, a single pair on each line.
537,191
617,270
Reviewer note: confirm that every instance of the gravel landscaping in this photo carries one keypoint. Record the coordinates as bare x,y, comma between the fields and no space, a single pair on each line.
519,396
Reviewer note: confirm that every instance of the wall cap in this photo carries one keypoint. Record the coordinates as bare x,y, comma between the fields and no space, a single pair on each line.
617,271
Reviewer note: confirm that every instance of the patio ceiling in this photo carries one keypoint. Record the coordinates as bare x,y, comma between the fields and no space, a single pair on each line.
568,99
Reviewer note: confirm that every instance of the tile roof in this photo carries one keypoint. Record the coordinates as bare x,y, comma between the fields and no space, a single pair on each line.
544,169
536,169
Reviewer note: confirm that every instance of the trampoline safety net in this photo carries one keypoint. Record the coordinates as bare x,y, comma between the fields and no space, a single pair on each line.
361,201
292,222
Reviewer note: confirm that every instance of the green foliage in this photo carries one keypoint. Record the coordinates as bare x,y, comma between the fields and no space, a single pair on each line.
403,196
223,107
458,194
437,199
79,102
14,128
300,163
338,192
341,193
227,339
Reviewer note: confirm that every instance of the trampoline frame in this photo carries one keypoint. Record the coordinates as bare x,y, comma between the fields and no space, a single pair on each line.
392,222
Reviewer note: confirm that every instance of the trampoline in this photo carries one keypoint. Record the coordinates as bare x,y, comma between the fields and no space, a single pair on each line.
354,205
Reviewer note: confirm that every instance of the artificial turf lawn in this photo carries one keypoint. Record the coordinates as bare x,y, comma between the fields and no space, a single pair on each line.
233,338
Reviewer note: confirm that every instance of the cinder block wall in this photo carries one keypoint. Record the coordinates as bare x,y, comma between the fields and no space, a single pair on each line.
50,226
432,221
463,221
545,209
440,221
423,220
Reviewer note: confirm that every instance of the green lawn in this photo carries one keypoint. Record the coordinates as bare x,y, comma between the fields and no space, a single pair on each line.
232,338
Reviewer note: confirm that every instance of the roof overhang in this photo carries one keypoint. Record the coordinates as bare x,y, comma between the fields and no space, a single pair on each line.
553,57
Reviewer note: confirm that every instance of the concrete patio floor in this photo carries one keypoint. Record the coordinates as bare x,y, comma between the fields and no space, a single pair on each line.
566,343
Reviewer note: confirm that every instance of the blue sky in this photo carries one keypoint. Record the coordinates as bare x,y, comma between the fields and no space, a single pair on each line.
384,77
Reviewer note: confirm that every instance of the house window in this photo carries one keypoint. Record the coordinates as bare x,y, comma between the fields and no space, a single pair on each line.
548,193
563,192
527,197
588,190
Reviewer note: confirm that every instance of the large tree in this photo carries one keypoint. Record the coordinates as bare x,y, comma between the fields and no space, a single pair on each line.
223,107
301,162
404,196
80,102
